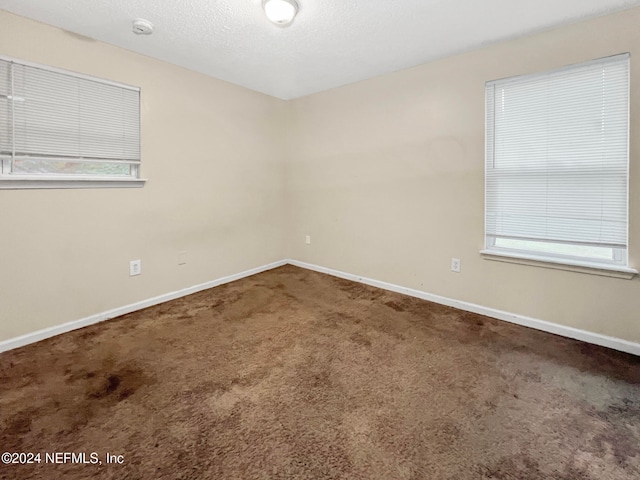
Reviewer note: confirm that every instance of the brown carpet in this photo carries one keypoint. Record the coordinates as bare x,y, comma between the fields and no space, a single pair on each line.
292,374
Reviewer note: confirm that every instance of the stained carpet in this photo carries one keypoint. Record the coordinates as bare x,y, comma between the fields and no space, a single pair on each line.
291,374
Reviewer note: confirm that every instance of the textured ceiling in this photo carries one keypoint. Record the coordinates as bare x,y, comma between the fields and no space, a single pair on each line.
330,43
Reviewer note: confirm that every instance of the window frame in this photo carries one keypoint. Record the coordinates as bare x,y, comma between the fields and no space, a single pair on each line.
617,267
10,180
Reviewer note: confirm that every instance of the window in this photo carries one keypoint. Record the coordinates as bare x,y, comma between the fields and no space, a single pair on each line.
557,162
61,129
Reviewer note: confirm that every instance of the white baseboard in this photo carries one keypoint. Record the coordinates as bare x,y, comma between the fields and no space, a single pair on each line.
116,312
577,334
583,335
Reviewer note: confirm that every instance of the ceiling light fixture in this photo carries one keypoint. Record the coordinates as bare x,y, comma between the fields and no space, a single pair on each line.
280,12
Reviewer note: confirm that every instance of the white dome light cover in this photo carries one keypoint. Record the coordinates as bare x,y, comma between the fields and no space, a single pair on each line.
280,12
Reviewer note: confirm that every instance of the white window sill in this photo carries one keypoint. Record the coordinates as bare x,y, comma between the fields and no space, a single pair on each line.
572,266
17,183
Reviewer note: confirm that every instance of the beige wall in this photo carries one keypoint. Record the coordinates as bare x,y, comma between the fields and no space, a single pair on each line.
213,156
386,175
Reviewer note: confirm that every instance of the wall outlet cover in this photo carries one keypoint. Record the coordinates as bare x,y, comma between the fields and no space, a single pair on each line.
135,267
455,265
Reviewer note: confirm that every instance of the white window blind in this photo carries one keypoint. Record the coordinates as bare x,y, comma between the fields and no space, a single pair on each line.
56,124
557,163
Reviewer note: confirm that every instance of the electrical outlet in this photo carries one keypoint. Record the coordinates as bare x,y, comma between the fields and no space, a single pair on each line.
182,258
307,239
135,267
455,265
